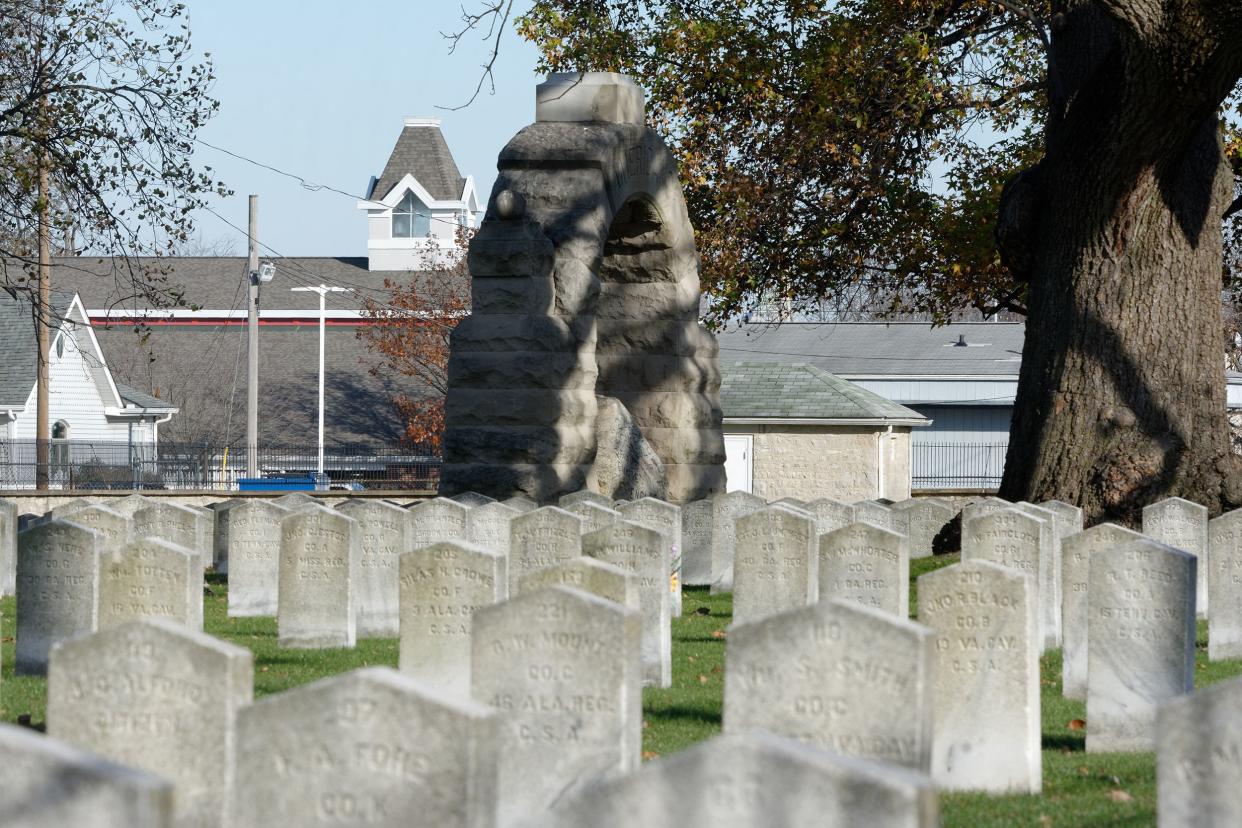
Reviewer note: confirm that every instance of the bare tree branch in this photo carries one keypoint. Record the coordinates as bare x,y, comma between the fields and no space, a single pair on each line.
496,14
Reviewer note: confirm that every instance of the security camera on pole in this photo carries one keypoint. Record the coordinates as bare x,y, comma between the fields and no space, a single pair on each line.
323,291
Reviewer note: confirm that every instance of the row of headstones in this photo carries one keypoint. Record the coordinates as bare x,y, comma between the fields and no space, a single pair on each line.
87,566
556,709
552,736
709,528
1142,653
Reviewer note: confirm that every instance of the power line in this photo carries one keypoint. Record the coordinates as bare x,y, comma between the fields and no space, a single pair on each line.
305,183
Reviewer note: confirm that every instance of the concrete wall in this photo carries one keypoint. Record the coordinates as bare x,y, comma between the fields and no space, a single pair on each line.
845,463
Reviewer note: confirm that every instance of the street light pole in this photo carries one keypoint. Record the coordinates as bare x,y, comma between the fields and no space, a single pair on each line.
323,291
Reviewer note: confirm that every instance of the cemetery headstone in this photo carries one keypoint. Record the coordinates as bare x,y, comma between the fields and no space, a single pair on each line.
435,521
48,784
1140,640
176,524
295,500
924,518
726,509
65,507
116,528
545,537
150,578
371,747
1076,552
1011,537
522,504
1182,525
981,507
319,552
877,514
1069,517
181,527
220,529
593,516
130,504
442,585
868,565
830,514
644,552
1198,775
254,557
57,589
156,696
584,496
696,543
8,547
744,780
985,677
612,583
472,499
790,501
666,519
382,530
775,564
489,525
564,669
1224,562
841,676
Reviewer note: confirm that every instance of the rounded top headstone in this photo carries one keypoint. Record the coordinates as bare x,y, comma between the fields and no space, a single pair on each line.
589,97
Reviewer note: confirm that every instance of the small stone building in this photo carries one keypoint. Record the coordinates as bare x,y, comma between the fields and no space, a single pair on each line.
794,430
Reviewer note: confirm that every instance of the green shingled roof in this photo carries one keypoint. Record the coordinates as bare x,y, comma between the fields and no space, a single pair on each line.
798,391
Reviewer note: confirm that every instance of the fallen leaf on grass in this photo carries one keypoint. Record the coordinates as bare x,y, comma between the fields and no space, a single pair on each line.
1120,796
718,633
702,679
263,669
1084,771
717,669
691,659
650,754
646,724
1077,724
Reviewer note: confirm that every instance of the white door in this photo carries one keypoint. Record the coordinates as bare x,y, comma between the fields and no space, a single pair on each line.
738,450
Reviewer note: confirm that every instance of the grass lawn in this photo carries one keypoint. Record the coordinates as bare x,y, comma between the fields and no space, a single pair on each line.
1080,789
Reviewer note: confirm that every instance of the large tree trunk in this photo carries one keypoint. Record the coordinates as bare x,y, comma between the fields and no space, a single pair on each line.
1121,398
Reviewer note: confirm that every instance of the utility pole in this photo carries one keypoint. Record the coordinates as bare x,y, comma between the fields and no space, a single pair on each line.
252,345
323,291
43,313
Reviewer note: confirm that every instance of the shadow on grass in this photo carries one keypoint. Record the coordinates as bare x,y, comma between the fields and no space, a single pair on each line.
686,714
1076,744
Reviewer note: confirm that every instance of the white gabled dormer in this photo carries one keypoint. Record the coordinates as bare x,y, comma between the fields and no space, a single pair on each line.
416,205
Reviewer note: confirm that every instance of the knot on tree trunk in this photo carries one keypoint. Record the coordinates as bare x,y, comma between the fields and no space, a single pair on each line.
1017,225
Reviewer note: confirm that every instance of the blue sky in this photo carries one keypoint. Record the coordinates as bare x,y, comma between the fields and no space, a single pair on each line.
319,88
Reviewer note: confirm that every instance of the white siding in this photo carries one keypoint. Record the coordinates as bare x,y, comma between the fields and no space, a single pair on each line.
914,392
964,424
75,398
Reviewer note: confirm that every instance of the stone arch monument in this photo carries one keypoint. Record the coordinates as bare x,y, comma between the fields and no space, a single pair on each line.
583,364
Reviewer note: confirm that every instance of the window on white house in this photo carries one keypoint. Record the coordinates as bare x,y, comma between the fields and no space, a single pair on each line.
411,219
59,454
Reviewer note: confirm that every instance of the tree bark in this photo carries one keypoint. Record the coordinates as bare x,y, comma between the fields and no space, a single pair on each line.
1121,396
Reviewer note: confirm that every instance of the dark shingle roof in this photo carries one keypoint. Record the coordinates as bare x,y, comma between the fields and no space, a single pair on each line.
797,391
201,369
139,399
854,349
19,350
217,282
421,151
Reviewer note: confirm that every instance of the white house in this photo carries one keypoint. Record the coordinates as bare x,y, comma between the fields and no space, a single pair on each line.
417,204
88,409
